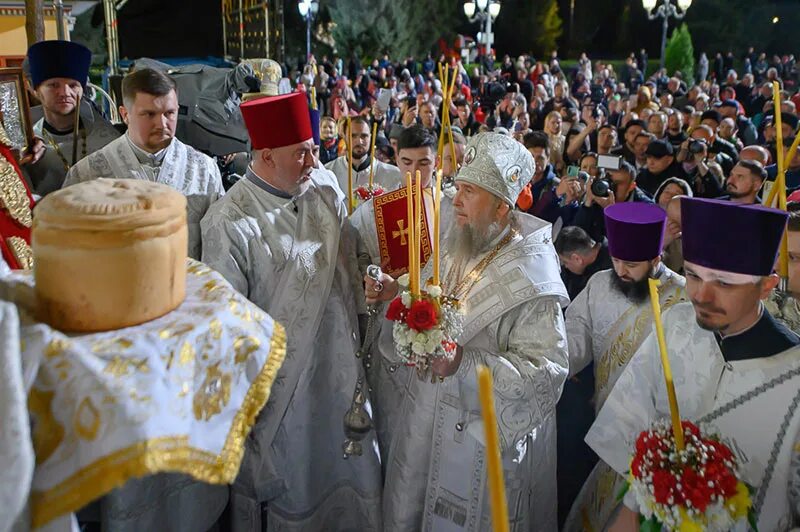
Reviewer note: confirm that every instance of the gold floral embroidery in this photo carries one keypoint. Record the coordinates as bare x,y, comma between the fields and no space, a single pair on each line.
22,252
244,346
215,327
214,393
187,354
47,431
628,341
121,366
13,196
163,454
87,420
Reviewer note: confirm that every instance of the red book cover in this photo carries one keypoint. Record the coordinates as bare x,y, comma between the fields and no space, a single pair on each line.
391,221
16,205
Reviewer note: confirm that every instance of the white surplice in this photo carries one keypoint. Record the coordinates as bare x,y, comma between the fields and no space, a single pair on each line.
752,404
605,328
185,169
385,175
436,476
295,258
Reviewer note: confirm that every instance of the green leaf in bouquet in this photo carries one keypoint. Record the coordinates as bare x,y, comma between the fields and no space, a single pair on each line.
623,491
649,525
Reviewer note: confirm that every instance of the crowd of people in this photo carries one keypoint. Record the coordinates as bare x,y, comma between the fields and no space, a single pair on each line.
565,193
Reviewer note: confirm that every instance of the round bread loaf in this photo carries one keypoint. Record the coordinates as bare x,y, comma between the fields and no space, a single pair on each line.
108,254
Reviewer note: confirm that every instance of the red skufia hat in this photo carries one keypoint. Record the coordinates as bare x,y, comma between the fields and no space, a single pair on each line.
277,121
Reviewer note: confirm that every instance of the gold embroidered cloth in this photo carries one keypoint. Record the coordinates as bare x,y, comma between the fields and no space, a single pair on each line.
177,394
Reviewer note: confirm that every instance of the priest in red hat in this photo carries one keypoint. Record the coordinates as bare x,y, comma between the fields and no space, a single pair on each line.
280,236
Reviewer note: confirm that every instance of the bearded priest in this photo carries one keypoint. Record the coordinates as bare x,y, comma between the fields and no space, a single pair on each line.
736,369
280,237
606,324
503,269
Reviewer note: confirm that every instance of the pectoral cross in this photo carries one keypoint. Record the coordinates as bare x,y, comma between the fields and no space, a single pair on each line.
401,233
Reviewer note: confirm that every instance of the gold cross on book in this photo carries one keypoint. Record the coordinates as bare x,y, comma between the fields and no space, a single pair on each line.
401,233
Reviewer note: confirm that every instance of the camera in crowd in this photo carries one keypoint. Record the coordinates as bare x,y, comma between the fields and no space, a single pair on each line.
696,146
603,186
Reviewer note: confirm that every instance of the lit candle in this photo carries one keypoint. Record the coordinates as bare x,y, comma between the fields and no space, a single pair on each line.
351,206
677,429
497,489
437,203
409,229
418,234
372,154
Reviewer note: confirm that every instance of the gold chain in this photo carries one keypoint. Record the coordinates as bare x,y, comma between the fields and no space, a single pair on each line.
60,154
465,285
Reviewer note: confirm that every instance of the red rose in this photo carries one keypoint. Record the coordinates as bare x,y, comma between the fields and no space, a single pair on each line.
663,485
719,451
421,316
695,489
396,311
363,193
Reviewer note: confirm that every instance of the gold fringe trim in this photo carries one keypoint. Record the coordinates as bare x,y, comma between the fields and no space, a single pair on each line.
166,454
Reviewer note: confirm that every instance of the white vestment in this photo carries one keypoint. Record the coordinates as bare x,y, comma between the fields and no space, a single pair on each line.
182,167
295,258
385,175
605,328
16,446
751,404
436,472
47,174
386,384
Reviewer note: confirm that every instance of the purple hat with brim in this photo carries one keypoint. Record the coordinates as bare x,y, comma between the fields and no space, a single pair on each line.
635,231
729,237
313,115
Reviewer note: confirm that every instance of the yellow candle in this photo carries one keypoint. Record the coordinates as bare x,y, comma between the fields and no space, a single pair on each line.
440,149
314,98
780,181
497,489
437,203
372,154
351,206
409,225
677,429
418,234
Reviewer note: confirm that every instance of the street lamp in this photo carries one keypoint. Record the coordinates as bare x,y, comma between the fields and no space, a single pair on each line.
485,11
308,10
665,10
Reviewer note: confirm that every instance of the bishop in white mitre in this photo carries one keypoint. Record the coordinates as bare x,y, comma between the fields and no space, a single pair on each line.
736,369
503,269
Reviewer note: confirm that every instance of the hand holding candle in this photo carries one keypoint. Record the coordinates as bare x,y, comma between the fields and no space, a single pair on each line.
677,429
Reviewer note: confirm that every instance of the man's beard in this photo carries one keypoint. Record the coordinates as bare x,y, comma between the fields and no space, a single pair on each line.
733,193
473,239
636,291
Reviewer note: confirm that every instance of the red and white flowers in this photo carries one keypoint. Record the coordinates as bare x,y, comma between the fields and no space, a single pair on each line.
365,193
691,490
425,326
